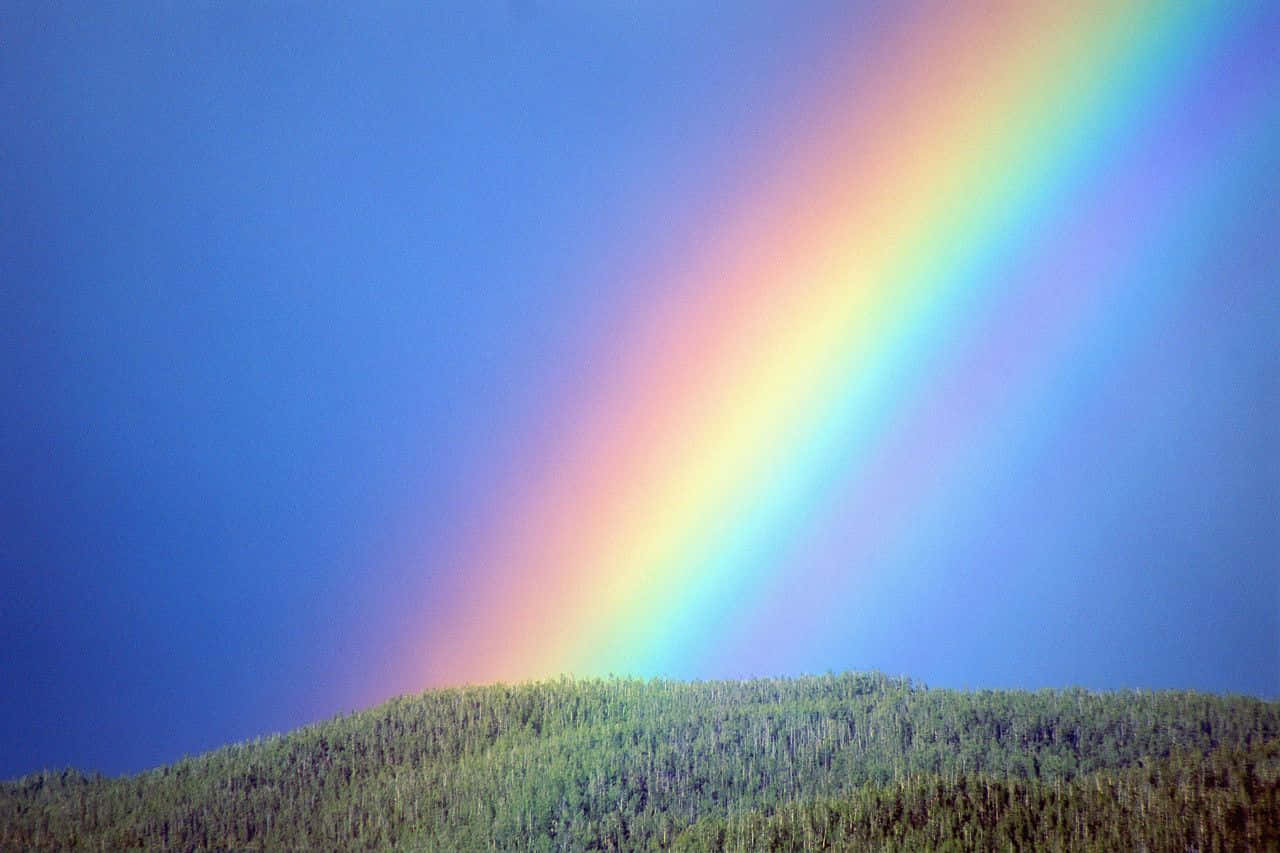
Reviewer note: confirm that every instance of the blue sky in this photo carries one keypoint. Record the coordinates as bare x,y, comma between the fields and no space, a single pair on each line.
282,285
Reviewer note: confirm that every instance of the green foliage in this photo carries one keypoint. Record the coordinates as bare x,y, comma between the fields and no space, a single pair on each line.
853,759
1226,800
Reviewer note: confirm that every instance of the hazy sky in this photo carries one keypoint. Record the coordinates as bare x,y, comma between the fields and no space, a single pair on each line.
293,296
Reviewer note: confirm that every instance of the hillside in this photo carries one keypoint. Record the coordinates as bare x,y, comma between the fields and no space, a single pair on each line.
829,761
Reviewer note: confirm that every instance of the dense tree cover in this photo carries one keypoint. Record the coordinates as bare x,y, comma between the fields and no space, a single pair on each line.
1228,800
629,764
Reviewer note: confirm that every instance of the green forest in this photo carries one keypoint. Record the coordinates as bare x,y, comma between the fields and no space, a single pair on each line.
851,761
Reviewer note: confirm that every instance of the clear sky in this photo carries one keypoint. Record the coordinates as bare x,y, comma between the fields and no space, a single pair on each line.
354,349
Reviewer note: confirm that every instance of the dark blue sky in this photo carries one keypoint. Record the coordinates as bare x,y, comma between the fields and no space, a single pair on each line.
282,287
274,276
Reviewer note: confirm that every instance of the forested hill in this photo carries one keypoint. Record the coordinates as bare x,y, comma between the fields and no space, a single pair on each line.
857,760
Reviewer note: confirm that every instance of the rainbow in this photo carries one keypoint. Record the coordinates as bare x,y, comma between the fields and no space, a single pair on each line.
894,309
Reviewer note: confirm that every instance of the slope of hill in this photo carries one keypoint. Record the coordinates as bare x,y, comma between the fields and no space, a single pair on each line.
806,763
